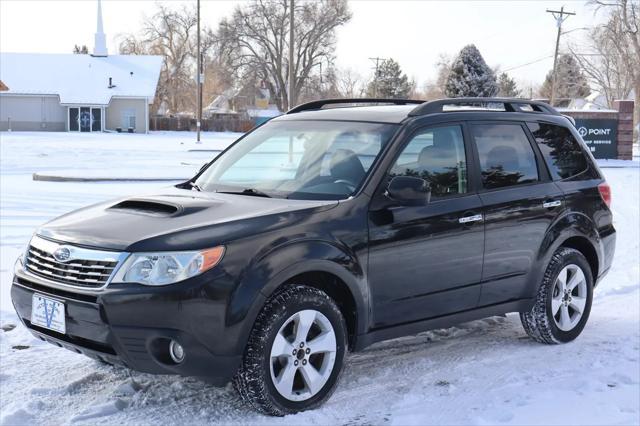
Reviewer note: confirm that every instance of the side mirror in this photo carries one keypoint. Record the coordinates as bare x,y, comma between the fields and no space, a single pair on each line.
409,191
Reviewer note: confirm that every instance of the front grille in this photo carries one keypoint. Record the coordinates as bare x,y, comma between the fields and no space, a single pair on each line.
87,268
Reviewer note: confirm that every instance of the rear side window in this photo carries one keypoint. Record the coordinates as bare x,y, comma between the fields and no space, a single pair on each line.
560,150
506,156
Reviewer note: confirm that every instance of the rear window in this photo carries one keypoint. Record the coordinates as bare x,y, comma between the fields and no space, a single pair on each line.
506,156
560,150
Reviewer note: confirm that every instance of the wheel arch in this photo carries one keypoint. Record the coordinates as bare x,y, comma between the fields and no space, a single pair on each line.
338,290
574,230
584,246
318,264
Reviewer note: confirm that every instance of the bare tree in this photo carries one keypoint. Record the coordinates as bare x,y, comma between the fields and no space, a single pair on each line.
434,89
169,33
607,60
624,22
256,40
605,64
350,83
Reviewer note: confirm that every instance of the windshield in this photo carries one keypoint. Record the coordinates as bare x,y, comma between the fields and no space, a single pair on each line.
322,160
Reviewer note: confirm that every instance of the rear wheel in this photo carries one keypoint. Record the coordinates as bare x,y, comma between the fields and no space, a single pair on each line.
563,302
295,352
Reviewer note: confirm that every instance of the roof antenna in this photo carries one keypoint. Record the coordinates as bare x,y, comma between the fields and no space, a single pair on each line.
111,85
100,40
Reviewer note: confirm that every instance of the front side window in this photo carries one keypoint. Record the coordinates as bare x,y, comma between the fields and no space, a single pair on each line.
437,156
560,150
300,159
506,156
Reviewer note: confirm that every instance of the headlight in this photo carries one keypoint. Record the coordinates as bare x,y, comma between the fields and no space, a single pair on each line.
164,268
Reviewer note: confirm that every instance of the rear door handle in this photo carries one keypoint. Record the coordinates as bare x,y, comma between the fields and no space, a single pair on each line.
468,219
551,204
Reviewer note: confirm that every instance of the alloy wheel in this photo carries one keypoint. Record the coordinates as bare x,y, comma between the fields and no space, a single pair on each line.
569,297
303,355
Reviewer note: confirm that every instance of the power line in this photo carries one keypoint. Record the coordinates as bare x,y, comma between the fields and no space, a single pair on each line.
528,63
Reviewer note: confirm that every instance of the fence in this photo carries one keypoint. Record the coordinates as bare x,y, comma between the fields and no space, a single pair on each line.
217,124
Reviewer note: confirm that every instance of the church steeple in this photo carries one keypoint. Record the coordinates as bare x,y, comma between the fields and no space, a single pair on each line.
100,40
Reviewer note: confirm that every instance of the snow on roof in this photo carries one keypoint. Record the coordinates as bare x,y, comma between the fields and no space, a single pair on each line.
80,79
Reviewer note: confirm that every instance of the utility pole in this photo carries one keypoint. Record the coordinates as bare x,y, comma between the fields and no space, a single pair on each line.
559,16
292,79
377,61
199,78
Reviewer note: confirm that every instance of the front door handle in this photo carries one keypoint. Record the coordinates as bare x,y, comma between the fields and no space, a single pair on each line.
467,219
551,204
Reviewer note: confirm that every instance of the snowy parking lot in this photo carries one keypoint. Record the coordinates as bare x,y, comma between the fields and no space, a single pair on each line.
483,372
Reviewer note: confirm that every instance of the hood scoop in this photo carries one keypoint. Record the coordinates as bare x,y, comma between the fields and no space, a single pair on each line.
146,207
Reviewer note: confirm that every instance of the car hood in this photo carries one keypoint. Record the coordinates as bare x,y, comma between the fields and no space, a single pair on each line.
175,219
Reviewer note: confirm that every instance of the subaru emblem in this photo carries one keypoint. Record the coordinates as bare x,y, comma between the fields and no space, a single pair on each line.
62,254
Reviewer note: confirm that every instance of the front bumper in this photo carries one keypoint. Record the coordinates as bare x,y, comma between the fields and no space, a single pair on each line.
132,325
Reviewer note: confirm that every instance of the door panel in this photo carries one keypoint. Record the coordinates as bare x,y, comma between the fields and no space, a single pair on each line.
423,262
515,224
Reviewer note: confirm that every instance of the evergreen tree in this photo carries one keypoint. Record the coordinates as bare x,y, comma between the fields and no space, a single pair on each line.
570,82
470,76
390,82
507,86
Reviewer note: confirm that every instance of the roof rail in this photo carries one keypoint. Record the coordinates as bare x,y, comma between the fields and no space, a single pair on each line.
510,105
315,105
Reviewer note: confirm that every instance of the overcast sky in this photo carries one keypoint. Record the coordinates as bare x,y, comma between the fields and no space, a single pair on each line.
509,34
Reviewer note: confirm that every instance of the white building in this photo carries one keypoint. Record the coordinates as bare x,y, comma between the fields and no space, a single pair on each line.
77,92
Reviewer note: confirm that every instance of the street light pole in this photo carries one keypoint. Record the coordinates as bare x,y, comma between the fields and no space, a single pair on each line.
291,47
198,78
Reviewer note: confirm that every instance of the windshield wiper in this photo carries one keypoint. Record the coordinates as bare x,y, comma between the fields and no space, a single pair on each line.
195,186
248,191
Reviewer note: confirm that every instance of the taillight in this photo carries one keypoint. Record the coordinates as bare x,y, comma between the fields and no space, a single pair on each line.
605,193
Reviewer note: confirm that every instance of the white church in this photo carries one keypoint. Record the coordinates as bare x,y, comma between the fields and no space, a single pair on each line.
77,92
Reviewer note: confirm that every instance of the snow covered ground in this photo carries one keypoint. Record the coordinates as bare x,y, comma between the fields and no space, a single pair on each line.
483,372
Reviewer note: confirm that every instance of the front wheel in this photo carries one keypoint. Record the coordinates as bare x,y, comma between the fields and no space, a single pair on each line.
295,352
563,302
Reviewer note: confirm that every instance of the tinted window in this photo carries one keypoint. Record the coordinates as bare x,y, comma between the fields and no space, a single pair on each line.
560,149
506,156
436,155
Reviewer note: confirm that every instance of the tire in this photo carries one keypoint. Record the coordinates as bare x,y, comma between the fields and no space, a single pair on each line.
560,316
262,381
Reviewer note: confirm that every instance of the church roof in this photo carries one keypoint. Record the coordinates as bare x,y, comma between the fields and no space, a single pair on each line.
79,78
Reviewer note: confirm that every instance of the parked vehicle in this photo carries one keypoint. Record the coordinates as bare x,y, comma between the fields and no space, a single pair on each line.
325,230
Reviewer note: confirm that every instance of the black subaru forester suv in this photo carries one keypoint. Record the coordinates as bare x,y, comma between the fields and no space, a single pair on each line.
327,229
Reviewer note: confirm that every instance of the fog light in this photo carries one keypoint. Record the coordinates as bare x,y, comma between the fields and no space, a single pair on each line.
176,351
